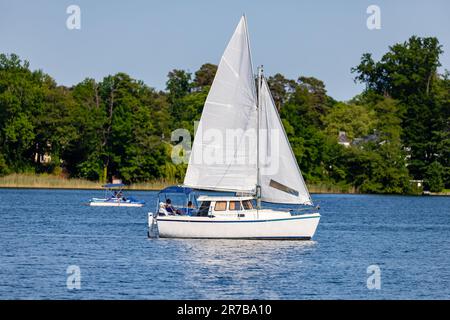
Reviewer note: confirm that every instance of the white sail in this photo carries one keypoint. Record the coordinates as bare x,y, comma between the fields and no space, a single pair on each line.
280,177
223,155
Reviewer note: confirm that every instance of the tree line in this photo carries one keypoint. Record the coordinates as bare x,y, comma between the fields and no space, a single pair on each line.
395,131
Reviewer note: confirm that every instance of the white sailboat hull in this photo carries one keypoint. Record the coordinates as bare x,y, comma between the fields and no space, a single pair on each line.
297,227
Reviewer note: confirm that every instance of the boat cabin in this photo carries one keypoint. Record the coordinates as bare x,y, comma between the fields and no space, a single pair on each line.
224,206
179,200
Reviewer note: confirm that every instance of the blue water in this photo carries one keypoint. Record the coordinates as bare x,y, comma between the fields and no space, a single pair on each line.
42,232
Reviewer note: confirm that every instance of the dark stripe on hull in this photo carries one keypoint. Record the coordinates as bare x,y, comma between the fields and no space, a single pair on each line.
237,221
245,238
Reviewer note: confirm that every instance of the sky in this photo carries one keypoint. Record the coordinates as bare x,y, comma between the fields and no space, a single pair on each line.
147,39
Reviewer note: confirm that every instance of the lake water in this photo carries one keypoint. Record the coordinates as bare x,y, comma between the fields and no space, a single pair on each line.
42,232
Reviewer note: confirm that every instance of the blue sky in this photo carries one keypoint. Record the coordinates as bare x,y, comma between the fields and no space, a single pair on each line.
146,39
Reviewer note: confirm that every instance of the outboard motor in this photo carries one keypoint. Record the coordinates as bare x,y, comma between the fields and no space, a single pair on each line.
153,225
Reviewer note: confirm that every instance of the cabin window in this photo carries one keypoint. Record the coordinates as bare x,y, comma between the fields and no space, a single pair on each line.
247,204
220,206
204,208
234,205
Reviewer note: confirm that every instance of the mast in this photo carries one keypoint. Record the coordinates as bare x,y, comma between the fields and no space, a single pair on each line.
258,175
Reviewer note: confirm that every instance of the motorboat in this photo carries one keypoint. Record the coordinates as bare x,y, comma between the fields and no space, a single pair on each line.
114,197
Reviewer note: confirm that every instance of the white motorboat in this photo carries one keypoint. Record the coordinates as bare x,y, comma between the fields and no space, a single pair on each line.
115,198
240,146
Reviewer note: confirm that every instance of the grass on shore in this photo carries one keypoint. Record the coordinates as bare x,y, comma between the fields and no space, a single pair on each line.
44,181
331,188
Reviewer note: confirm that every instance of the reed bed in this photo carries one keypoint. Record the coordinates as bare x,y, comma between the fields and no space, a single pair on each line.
48,181
330,188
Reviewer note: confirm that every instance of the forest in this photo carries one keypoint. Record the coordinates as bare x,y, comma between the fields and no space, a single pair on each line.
395,132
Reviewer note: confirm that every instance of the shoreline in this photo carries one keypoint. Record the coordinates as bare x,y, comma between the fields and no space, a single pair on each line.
130,188
51,181
48,181
432,194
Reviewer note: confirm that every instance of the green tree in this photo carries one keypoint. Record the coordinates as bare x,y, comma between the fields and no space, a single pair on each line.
178,84
20,94
434,177
205,75
120,127
86,151
355,120
281,89
408,73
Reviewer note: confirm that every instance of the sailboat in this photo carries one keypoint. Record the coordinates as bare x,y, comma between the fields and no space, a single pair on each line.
240,147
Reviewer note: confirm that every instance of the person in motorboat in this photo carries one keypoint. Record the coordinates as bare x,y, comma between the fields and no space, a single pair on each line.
112,196
118,195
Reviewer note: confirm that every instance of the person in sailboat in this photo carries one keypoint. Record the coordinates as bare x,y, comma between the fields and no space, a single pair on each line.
169,207
190,208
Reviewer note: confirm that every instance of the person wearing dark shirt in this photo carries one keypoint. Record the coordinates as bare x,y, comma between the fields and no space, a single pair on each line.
169,208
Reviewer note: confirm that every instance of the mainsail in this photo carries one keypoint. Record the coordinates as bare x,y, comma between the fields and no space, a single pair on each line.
225,151
222,156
